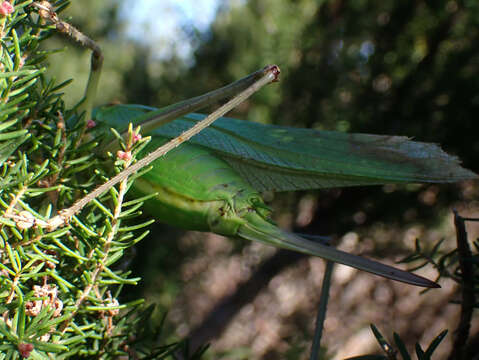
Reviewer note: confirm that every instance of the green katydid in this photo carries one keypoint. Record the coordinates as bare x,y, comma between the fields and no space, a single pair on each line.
212,183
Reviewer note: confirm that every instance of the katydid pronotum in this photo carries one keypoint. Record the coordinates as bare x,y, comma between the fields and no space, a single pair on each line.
213,183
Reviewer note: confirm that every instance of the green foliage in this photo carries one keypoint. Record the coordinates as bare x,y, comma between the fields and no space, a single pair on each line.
60,289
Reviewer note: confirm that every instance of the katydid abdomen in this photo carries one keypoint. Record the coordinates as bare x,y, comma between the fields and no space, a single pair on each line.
197,190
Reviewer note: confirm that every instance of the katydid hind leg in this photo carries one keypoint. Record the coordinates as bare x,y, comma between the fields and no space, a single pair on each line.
265,232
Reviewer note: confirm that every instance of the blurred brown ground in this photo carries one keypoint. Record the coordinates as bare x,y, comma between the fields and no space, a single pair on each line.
278,322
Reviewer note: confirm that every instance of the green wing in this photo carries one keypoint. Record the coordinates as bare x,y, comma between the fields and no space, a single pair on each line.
284,158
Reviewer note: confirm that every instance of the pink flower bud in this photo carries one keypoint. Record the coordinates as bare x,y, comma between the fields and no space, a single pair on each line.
90,124
6,8
136,138
126,156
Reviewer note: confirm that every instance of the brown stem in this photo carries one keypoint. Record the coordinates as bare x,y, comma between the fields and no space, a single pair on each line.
45,11
467,289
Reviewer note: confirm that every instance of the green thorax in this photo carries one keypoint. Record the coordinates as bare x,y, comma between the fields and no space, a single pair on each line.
197,190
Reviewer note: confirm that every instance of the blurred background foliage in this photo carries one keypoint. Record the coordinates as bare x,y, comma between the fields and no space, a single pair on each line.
390,67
